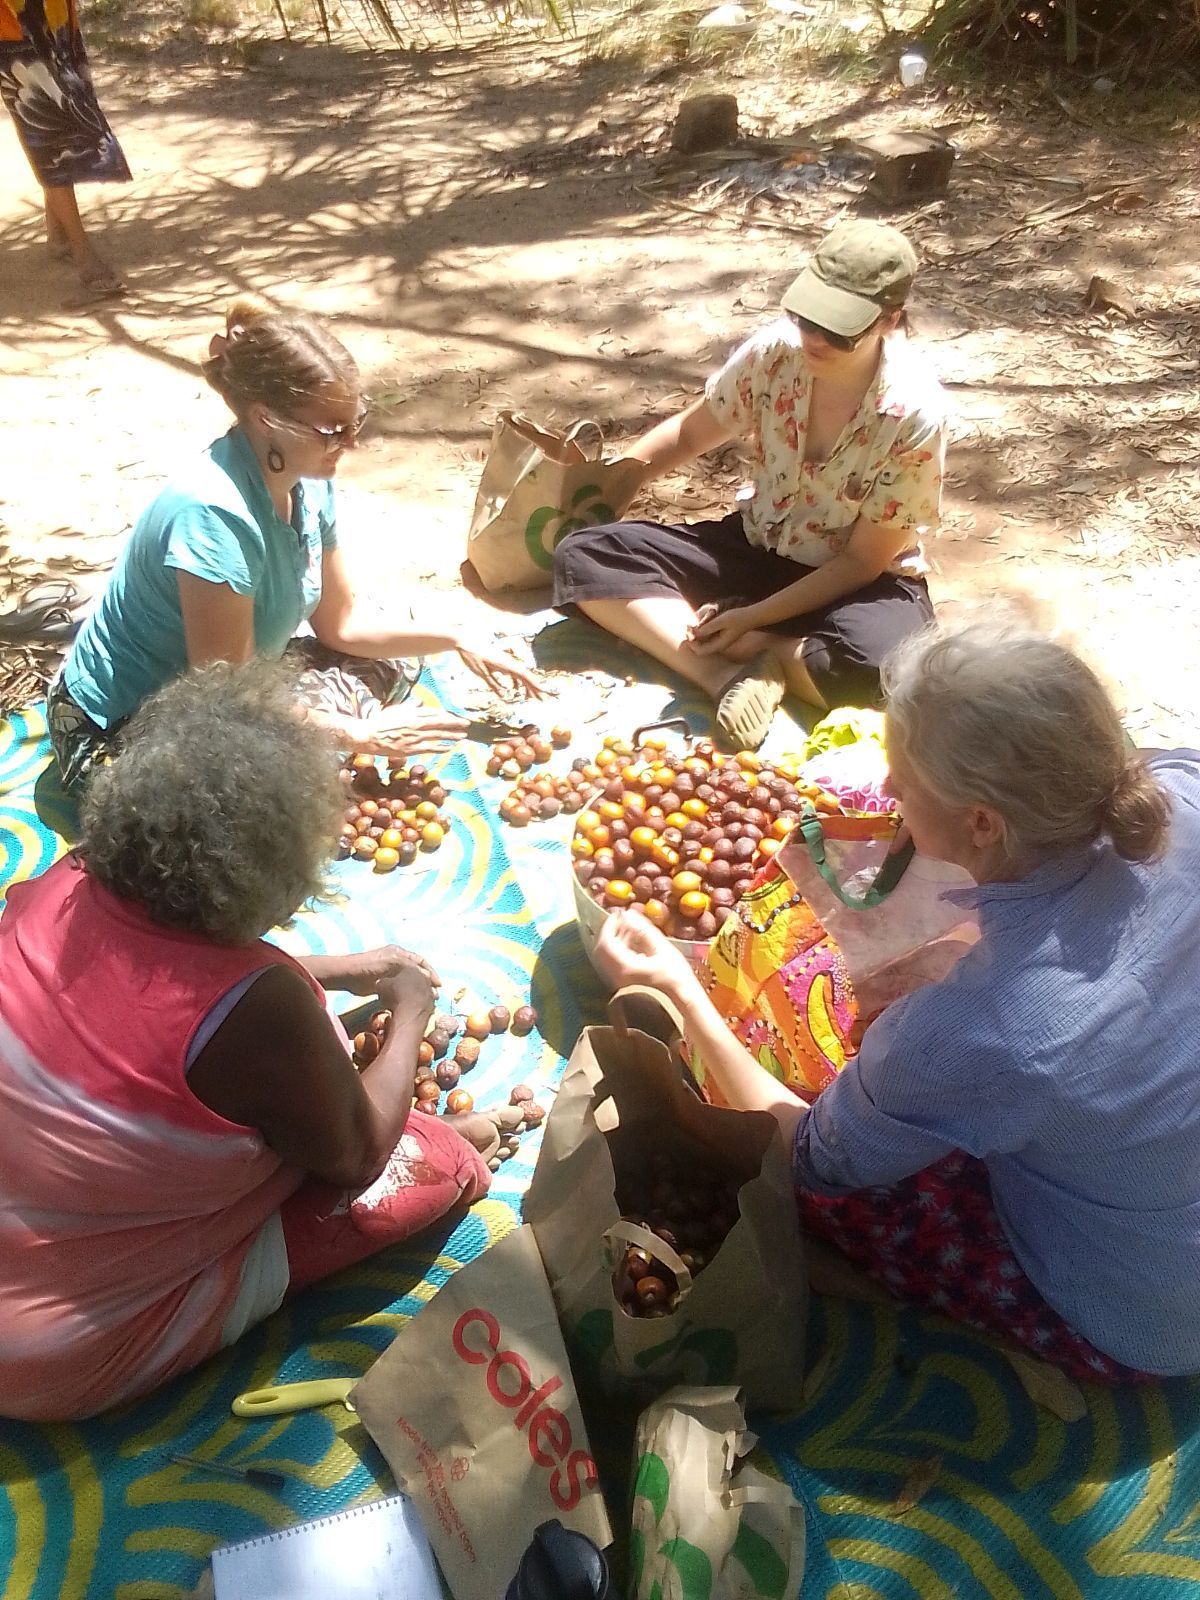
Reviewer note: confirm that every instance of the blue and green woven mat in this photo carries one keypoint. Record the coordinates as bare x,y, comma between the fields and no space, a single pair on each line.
1024,1507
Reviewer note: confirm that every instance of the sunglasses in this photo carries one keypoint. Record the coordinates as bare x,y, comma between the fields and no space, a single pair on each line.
340,435
836,341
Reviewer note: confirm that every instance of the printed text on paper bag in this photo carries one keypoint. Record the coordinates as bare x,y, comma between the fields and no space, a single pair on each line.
476,1340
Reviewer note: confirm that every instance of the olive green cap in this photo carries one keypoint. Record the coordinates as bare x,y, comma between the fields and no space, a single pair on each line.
858,271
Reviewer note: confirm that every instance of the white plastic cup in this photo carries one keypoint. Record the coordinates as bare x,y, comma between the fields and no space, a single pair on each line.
913,67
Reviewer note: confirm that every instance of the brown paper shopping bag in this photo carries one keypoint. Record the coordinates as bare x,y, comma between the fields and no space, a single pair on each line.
474,1408
538,486
707,1523
623,1103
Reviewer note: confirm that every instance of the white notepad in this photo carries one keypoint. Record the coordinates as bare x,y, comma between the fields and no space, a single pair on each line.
371,1552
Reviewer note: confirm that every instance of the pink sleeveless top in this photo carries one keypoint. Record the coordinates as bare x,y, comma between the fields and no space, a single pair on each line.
127,1207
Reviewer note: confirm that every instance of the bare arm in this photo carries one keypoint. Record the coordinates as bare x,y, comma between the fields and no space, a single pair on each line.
870,551
630,950
363,971
681,438
276,1064
341,624
358,630
218,625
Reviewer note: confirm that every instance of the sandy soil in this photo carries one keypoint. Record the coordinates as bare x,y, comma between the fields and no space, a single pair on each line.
499,225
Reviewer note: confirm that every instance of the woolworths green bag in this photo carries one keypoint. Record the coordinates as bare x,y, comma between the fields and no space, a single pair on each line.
706,1523
539,485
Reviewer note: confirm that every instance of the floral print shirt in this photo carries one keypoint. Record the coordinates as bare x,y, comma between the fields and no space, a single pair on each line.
885,468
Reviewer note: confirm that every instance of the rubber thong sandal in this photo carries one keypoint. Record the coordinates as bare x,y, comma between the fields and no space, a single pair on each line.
44,616
750,700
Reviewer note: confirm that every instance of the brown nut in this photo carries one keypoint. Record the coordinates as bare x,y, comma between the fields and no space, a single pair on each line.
637,1263
521,1094
499,1018
467,1053
366,1047
448,1074
524,1021
478,1025
535,1114
459,1101
427,1089
651,1290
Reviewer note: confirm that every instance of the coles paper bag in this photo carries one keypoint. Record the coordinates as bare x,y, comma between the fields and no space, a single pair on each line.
474,1408
624,1102
539,485
706,1523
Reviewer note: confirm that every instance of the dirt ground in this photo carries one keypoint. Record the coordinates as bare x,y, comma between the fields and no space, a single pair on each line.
499,224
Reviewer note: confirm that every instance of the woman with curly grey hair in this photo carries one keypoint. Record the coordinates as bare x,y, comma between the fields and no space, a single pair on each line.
241,548
1016,1145
182,1130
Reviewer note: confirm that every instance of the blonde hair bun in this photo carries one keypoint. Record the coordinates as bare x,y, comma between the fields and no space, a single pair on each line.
243,312
277,359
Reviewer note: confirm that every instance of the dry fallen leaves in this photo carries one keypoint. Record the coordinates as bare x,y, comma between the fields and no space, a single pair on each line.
1046,1386
1103,294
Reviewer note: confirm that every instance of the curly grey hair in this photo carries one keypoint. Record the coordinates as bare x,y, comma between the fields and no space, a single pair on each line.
996,715
221,811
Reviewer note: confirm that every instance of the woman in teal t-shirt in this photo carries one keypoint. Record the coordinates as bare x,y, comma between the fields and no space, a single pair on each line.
233,555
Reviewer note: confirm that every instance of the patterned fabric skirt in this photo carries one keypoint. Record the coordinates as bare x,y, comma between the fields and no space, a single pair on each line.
340,685
936,1242
46,83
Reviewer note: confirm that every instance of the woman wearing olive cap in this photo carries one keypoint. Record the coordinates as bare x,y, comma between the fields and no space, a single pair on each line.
820,570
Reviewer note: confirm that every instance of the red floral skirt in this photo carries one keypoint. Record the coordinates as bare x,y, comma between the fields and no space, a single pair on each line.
936,1242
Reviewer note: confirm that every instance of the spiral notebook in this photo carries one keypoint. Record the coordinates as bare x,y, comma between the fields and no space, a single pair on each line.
371,1552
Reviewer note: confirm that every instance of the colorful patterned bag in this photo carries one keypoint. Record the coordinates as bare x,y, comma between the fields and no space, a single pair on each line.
844,920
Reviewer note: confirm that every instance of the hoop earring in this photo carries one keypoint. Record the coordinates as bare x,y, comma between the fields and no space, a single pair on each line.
275,459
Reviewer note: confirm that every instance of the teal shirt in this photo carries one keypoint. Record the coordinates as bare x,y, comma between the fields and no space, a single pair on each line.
217,522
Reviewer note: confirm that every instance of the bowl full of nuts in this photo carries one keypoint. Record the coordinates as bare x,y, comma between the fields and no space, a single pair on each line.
679,836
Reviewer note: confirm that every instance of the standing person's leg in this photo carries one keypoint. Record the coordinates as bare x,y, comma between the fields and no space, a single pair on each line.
46,84
68,238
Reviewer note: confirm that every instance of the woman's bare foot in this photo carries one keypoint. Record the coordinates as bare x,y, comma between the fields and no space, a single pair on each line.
97,276
484,1129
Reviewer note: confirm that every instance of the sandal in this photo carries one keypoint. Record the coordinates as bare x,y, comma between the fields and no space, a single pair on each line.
750,700
46,618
